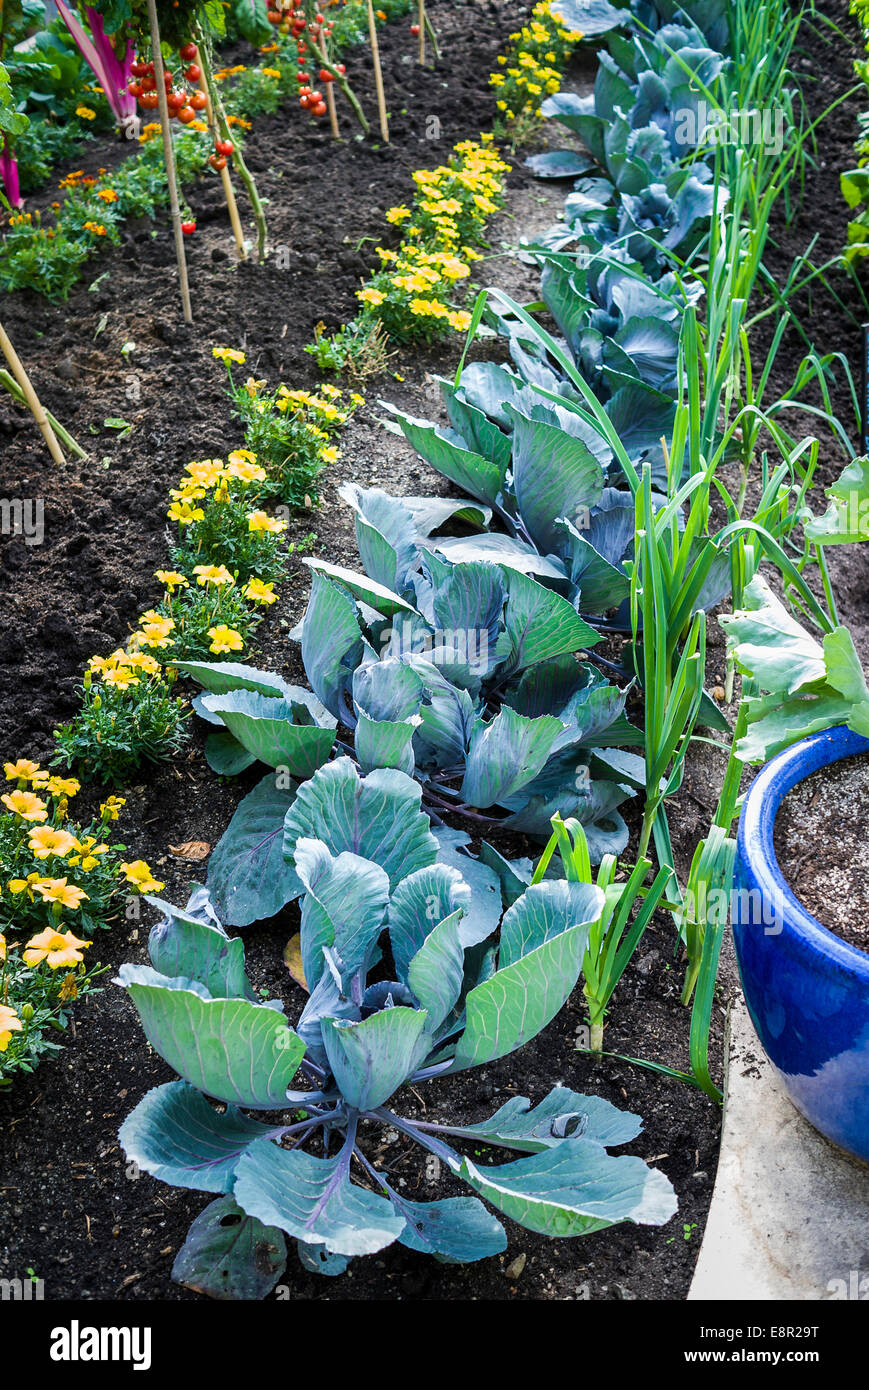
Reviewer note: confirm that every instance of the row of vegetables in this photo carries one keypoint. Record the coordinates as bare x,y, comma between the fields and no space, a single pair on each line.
454,679
602,475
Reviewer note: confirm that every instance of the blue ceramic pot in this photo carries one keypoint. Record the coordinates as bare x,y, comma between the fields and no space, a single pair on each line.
807,990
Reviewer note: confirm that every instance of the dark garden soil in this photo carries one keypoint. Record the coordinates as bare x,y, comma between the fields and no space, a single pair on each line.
68,1209
823,850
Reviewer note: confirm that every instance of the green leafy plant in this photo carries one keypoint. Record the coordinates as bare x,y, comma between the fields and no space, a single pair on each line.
117,729
407,982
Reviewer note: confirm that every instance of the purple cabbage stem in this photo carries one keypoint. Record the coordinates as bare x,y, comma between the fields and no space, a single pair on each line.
99,53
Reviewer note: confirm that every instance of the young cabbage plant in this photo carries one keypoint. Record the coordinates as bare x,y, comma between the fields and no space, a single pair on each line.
463,675
611,942
407,981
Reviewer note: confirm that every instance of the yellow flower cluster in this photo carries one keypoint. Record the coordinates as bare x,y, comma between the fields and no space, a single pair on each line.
533,69
412,293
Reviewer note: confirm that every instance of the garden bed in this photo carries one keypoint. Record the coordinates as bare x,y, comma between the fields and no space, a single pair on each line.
70,1210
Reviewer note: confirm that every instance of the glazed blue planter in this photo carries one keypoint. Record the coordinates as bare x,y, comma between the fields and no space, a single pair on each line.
807,990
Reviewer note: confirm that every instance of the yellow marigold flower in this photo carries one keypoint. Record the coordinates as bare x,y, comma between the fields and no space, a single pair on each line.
26,805
212,574
172,579
96,228
399,214
370,296
2,947
330,454
356,398
246,470
152,635
9,1023
110,808
228,355
140,661
224,639
270,72
138,873
121,679
86,113
184,512
45,842
57,890
460,320
55,948
108,195
68,988
63,786
261,521
260,592
204,473
24,770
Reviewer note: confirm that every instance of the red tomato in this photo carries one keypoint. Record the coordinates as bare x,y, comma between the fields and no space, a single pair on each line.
199,101
188,228
187,52
186,115
193,73
225,147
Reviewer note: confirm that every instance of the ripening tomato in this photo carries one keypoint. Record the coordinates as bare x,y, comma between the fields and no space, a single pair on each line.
186,115
149,101
319,109
341,68
139,69
199,101
134,88
188,228
148,83
187,51
193,73
217,161
224,147
414,29
273,16
175,100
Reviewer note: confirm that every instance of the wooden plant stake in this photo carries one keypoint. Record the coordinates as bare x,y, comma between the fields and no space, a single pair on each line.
228,190
30,396
422,31
330,92
8,382
169,157
378,73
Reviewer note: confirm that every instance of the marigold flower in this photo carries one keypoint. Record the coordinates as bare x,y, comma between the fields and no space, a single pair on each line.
259,592
46,842
261,521
139,874
224,639
24,770
57,890
26,805
212,574
172,579
110,808
2,947
184,513
370,296
63,786
122,678
228,355
108,195
55,948
9,1023
86,113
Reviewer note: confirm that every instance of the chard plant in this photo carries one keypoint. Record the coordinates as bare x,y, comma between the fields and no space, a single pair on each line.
412,976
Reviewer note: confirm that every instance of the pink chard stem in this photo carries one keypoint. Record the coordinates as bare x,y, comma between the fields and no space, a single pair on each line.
99,53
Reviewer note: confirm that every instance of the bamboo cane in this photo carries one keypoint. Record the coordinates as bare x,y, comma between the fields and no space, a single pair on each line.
330,92
15,391
228,190
237,157
422,31
33,403
378,73
169,156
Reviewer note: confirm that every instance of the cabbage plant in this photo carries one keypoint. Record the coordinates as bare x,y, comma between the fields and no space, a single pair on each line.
461,674
410,977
